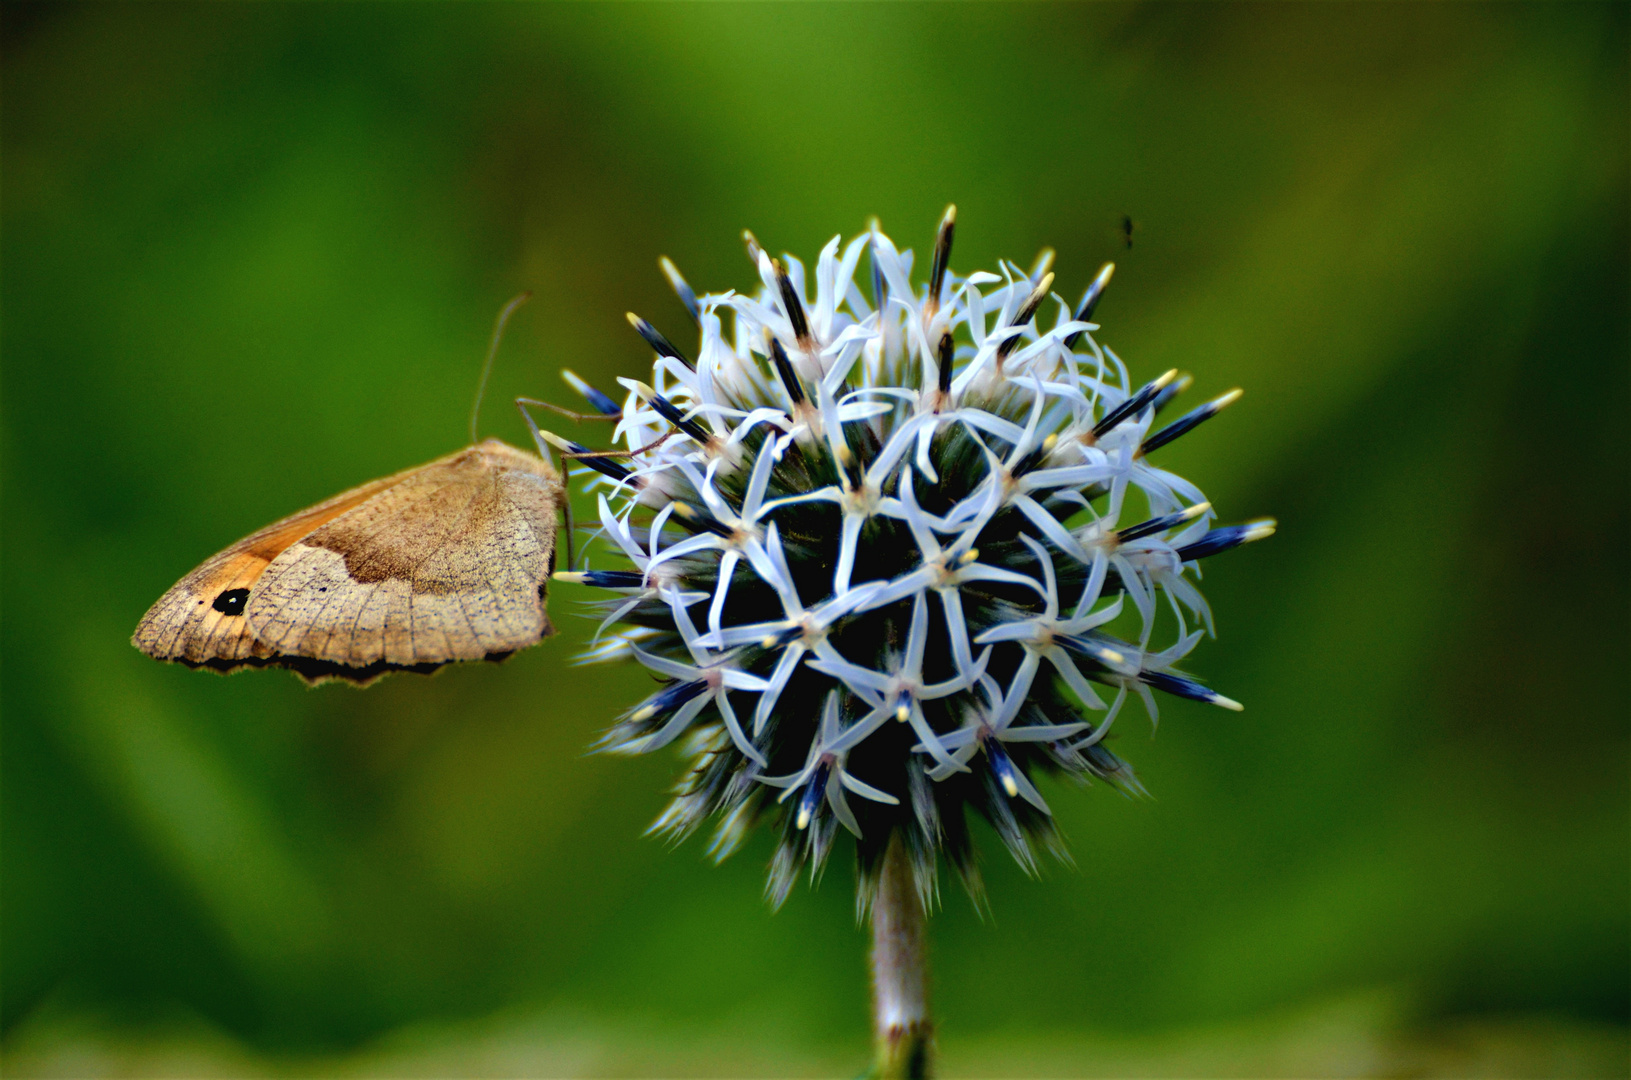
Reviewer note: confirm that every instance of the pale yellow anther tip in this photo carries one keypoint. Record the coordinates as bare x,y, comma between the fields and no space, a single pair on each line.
1228,703
969,556
572,577
1045,284
1113,657
1193,512
949,217
1165,379
1010,787
903,714
1225,400
803,819
1261,530
556,441
642,389
642,715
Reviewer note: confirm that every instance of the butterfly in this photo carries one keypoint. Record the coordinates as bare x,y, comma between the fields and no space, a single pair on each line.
446,562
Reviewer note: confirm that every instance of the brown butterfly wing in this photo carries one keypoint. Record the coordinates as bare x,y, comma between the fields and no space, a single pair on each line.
445,562
452,566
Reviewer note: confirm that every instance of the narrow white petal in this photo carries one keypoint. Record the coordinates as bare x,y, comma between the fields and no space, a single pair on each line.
1018,689
664,666
840,805
743,743
931,741
849,536
675,727
851,675
785,664
716,611
865,790
1027,790
857,732
741,680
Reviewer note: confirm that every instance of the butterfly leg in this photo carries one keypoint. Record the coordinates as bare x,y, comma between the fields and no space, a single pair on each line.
522,403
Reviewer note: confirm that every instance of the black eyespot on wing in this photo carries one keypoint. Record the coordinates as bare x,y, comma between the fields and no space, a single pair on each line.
231,602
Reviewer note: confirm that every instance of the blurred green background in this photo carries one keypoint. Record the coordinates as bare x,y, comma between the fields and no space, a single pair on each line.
252,254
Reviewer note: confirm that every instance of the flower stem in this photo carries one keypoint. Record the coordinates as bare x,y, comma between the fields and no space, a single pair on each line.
900,999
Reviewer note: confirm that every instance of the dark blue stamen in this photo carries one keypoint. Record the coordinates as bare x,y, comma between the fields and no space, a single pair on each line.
655,339
614,579
1131,407
602,465
944,358
1169,392
695,519
671,412
784,368
672,697
597,400
682,290
1153,525
1090,300
1181,426
1002,766
1090,647
1032,460
791,302
1177,685
1219,539
787,637
813,791
1024,315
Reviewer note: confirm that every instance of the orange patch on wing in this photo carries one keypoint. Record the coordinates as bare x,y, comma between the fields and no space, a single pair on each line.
270,545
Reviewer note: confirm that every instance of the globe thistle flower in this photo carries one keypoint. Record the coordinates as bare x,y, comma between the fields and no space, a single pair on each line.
894,550
880,515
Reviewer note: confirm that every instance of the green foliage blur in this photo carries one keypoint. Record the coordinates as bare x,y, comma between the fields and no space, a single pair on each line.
252,254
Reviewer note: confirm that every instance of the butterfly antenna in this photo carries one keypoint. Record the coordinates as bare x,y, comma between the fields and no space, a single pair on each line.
492,351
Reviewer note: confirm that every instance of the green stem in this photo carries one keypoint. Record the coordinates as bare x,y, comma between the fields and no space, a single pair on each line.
900,990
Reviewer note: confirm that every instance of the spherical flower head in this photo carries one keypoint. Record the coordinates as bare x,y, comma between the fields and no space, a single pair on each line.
879,542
